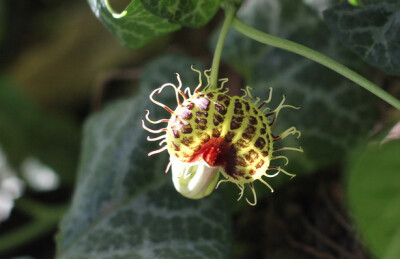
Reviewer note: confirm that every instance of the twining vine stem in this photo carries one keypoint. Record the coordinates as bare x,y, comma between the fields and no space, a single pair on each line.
315,56
229,15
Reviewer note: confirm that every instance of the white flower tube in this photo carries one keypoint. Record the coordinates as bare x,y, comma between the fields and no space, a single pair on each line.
194,180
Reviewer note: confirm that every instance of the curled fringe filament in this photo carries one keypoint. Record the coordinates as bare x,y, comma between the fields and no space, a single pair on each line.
289,131
254,195
151,130
178,89
157,151
266,101
266,184
288,148
200,80
257,100
241,187
156,139
223,82
168,166
282,105
271,175
158,103
281,157
154,122
221,181
279,169
247,93
208,76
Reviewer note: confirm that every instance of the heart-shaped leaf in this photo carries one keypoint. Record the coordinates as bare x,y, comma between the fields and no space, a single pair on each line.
135,26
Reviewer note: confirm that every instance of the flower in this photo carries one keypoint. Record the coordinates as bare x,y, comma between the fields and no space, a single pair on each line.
211,133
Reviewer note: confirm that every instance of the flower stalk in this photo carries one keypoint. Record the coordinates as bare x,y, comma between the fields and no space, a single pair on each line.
230,12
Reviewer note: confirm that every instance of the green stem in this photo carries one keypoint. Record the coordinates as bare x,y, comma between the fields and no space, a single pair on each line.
315,56
44,219
38,209
26,233
229,15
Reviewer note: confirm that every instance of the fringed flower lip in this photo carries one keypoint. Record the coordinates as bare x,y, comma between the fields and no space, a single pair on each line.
211,133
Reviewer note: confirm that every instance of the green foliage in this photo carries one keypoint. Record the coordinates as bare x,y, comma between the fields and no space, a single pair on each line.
335,113
135,26
356,2
124,205
27,131
144,20
374,197
319,5
191,13
375,39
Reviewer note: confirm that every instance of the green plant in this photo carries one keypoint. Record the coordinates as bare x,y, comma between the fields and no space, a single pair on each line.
124,206
135,189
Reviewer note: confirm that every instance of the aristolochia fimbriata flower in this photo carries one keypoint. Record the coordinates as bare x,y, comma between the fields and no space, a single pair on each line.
211,133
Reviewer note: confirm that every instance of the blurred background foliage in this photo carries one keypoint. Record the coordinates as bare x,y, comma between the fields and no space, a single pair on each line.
59,65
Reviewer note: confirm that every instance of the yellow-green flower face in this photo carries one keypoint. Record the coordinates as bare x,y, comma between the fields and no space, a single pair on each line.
211,132
226,132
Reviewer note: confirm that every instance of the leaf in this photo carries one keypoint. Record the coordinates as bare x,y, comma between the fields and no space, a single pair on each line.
373,32
135,26
125,205
319,5
373,187
26,131
334,113
191,13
